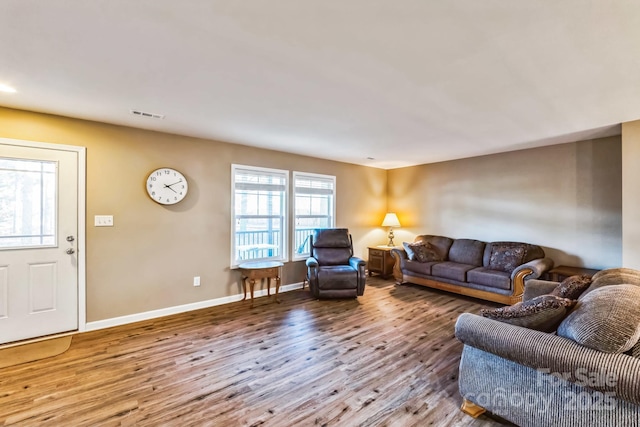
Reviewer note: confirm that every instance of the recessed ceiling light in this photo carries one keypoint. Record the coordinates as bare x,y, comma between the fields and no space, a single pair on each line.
7,88
371,158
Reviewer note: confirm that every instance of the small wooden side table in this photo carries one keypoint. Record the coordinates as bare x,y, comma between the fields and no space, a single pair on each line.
260,270
561,272
380,260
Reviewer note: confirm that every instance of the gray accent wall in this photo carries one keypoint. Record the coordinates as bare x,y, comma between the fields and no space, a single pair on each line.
566,198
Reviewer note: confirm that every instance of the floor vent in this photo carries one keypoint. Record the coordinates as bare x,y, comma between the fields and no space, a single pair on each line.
147,114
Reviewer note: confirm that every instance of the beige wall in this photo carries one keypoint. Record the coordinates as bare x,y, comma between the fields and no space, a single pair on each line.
566,198
147,261
631,194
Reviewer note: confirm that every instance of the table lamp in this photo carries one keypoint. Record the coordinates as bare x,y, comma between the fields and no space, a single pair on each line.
391,220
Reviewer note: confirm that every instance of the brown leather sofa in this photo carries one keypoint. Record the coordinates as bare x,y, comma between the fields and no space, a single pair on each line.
474,268
332,270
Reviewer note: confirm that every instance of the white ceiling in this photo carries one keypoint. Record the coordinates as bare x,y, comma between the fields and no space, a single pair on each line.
404,82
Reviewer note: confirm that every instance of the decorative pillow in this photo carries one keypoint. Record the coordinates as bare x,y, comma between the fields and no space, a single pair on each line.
572,287
542,313
408,248
606,319
426,252
506,257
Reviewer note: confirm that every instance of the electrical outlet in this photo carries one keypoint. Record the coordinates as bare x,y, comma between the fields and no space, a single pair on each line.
103,221
196,281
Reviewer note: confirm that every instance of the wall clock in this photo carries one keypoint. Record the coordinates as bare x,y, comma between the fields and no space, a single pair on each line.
167,186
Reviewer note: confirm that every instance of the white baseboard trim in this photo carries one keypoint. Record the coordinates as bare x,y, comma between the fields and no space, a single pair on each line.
153,314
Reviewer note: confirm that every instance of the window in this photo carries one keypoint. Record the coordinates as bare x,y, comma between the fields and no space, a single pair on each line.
27,203
260,214
314,207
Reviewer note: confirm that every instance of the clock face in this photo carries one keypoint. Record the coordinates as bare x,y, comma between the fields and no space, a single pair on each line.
167,186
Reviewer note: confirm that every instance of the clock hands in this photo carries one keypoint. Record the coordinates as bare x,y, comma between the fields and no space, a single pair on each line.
169,186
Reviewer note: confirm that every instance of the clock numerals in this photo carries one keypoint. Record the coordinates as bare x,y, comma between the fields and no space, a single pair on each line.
166,186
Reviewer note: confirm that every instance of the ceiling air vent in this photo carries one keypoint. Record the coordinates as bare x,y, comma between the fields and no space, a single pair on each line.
147,114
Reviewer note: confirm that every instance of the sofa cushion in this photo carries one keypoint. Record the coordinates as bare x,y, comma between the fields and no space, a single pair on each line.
613,276
542,313
419,267
487,277
506,256
467,251
572,287
619,270
441,243
451,270
635,350
606,319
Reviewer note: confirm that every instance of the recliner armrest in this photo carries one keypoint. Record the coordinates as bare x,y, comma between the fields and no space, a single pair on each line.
312,262
356,262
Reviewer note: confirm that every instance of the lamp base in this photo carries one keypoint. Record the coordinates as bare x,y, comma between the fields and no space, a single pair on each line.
391,236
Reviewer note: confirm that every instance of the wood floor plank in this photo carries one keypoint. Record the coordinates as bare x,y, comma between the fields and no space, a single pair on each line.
388,358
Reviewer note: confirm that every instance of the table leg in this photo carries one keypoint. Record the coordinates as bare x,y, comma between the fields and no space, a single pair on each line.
277,288
269,286
252,283
244,288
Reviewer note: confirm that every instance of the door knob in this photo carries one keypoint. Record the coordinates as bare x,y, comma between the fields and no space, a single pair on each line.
70,239
70,251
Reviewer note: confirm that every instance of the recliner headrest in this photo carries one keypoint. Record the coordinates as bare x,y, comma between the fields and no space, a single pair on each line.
331,238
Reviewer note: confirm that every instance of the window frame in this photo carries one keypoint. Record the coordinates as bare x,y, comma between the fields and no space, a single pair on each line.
284,239
297,174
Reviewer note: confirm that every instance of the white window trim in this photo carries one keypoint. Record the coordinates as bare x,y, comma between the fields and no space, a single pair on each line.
296,174
285,226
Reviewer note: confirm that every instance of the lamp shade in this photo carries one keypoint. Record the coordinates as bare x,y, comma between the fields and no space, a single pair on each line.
391,220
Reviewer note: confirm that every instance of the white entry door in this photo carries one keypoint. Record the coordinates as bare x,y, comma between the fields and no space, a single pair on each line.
38,241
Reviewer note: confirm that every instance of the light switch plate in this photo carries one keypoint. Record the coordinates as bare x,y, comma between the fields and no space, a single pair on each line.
104,220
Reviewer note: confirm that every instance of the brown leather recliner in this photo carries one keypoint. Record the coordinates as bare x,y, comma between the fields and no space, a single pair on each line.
332,270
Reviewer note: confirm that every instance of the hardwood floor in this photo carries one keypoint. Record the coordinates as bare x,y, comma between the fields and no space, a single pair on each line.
388,358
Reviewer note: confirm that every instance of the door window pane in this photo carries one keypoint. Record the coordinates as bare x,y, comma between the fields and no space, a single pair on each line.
27,203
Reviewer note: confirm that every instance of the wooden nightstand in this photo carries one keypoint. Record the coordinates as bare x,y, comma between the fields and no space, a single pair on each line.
380,260
561,272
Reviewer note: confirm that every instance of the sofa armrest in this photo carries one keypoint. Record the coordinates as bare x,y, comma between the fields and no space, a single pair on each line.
534,288
399,253
400,257
548,353
529,270
537,266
